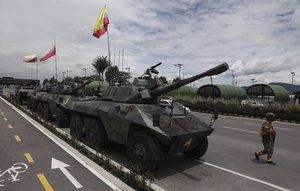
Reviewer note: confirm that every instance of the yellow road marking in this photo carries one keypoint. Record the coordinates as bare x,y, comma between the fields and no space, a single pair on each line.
5,119
10,126
18,139
29,158
45,182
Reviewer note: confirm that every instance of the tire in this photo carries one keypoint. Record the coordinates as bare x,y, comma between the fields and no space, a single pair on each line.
199,151
76,127
29,103
144,152
61,118
34,105
47,112
96,136
40,109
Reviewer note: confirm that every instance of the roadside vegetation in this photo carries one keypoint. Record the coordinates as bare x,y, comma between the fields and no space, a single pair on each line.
288,111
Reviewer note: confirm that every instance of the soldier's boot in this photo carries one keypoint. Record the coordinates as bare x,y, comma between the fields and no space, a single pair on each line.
269,160
257,154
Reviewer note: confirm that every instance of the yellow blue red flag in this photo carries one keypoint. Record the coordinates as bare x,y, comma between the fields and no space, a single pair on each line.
30,58
51,53
101,24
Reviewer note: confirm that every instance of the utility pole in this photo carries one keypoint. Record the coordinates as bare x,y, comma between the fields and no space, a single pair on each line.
84,69
293,74
179,68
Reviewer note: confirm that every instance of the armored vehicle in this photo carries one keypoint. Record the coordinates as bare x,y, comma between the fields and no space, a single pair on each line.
52,101
133,116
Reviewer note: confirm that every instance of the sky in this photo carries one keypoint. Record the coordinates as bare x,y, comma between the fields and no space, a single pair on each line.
259,39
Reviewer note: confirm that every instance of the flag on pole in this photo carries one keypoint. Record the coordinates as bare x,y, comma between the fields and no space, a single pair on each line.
30,58
52,52
101,24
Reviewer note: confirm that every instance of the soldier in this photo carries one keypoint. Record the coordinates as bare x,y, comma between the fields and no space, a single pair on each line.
267,133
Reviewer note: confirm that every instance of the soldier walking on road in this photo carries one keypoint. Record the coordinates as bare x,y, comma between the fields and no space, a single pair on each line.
268,134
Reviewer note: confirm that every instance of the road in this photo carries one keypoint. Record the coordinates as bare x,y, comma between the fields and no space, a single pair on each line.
32,160
229,163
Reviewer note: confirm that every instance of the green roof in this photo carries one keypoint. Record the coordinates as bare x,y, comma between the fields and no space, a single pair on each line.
222,91
265,91
281,94
183,91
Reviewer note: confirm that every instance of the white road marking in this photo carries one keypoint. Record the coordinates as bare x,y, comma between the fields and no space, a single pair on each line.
43,130
245,176
56,164
253,124
236,129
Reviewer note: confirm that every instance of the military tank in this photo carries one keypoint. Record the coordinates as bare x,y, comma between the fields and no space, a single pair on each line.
51,102
133,116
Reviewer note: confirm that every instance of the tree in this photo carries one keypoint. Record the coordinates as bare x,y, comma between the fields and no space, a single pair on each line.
111,74
101,63
176,79
163,79
123,77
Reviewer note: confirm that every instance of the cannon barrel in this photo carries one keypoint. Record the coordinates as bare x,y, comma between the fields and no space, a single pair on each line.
74,90
214,71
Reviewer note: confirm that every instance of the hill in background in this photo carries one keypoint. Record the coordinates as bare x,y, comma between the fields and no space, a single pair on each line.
289,87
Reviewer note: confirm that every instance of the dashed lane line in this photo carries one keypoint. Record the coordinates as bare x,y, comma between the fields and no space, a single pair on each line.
245,176
287,129
10,126
45,182
236,129
5,119
17,137
29,158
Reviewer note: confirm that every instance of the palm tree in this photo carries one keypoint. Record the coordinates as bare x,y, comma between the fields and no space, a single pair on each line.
101,63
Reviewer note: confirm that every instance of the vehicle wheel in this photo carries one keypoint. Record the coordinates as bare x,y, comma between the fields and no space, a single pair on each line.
199,151
47,112
34,105
61,118
18,99
76,127
29,103
40,109
96,136
144,152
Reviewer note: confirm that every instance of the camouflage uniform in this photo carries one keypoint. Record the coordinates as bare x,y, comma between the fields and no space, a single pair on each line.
268,134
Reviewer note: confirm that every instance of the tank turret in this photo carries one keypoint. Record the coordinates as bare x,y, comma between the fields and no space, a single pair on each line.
147,89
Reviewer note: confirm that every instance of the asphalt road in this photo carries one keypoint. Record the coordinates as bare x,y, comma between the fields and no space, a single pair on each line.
30,160
229,163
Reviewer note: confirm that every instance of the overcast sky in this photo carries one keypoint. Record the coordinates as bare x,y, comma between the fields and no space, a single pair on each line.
259,39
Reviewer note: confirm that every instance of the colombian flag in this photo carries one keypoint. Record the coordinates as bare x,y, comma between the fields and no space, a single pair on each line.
52,52
30,58
101,24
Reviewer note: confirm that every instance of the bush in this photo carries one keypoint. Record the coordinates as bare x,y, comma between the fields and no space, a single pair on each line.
288,111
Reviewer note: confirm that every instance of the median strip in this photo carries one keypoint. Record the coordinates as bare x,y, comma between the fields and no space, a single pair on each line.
45,182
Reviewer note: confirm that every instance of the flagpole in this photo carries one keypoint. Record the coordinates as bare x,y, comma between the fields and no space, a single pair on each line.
108,46
37,68
55,62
